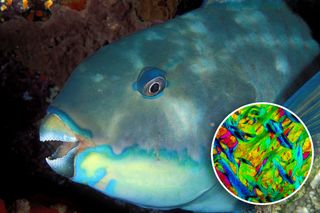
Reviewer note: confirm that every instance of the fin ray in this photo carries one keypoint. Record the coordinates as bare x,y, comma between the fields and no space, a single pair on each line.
306,104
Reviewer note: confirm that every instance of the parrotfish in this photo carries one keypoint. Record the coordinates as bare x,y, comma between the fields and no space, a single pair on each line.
136,119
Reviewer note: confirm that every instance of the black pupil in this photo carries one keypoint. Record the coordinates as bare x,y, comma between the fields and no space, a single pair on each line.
155,88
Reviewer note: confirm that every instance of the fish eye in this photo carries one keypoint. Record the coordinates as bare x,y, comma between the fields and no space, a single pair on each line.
151,82
154,87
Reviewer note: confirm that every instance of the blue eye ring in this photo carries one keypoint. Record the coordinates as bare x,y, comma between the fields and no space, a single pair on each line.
151,82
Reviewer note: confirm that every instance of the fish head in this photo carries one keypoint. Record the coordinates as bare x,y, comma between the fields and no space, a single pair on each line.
136,119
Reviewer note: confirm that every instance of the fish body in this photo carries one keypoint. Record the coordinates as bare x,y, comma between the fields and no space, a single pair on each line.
141,113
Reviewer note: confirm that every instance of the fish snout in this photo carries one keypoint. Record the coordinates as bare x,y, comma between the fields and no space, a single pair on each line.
59,131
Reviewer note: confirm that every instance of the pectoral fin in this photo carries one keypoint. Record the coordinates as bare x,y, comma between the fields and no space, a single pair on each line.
306,104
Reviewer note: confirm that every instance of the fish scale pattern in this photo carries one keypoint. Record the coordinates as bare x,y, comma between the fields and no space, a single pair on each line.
262,153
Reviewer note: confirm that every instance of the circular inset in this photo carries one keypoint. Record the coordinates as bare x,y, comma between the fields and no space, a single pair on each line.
262,153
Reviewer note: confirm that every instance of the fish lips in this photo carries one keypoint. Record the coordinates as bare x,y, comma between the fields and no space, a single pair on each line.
63,134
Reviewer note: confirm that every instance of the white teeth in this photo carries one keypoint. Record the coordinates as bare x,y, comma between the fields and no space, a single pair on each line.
58,161
63,165
53,128
55,136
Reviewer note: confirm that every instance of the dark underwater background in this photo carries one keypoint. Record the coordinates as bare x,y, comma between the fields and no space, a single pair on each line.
39,48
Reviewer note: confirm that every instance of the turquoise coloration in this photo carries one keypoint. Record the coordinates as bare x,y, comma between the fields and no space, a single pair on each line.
156,153
110,187
134,150
93,181
99,168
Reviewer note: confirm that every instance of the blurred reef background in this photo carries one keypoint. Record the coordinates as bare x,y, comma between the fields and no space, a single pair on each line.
41,42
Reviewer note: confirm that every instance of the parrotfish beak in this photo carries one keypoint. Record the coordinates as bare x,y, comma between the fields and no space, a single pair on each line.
59,130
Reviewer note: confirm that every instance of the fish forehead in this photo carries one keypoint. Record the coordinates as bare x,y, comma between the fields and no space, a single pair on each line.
215,60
